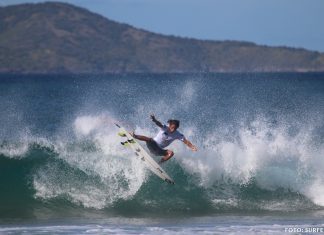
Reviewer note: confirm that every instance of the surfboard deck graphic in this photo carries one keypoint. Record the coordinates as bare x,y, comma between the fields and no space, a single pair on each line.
140,152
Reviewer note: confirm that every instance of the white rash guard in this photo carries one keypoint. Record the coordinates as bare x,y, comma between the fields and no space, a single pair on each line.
164,138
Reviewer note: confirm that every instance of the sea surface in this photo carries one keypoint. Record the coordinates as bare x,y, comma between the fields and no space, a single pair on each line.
259,168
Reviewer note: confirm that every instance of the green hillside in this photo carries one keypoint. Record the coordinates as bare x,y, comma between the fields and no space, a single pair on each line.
58,38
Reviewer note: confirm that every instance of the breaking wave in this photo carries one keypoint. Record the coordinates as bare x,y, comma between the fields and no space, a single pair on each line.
260,169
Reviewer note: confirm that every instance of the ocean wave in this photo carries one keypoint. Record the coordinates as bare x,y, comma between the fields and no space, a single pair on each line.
259,168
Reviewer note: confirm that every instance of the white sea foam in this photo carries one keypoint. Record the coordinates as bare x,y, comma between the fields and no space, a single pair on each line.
270,156
14,150
120,173
21,146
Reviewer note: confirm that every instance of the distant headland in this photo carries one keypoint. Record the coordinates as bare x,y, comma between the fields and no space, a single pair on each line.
57,37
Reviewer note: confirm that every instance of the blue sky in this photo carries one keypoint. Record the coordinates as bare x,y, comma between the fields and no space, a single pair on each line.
296,23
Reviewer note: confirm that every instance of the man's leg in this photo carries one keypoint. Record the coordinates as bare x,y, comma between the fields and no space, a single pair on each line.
167,156
140,137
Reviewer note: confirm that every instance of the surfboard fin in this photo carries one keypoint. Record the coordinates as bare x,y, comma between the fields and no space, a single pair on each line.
124,143
128,142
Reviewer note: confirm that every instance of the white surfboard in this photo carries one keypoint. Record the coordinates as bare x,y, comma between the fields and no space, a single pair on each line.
144,156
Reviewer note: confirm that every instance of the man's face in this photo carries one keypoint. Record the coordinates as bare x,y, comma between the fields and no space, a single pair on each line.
172,127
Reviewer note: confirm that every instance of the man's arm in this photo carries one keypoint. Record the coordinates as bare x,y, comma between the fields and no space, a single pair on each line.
159,124
190,145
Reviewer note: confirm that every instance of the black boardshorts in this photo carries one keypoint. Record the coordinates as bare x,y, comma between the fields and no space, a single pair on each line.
155,148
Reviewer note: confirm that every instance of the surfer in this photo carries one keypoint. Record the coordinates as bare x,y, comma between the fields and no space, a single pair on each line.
164,138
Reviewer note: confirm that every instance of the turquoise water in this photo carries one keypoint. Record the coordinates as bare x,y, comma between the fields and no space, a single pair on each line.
259,166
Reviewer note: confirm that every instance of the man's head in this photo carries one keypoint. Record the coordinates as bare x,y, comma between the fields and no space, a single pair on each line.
173,125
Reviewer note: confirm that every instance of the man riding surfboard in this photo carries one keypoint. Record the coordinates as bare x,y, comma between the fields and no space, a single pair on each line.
164,138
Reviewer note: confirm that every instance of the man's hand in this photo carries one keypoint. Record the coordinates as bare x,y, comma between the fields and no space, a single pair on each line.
194,148
153,117
190,145
159,124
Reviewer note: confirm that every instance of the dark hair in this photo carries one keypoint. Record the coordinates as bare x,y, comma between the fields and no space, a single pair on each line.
175,122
